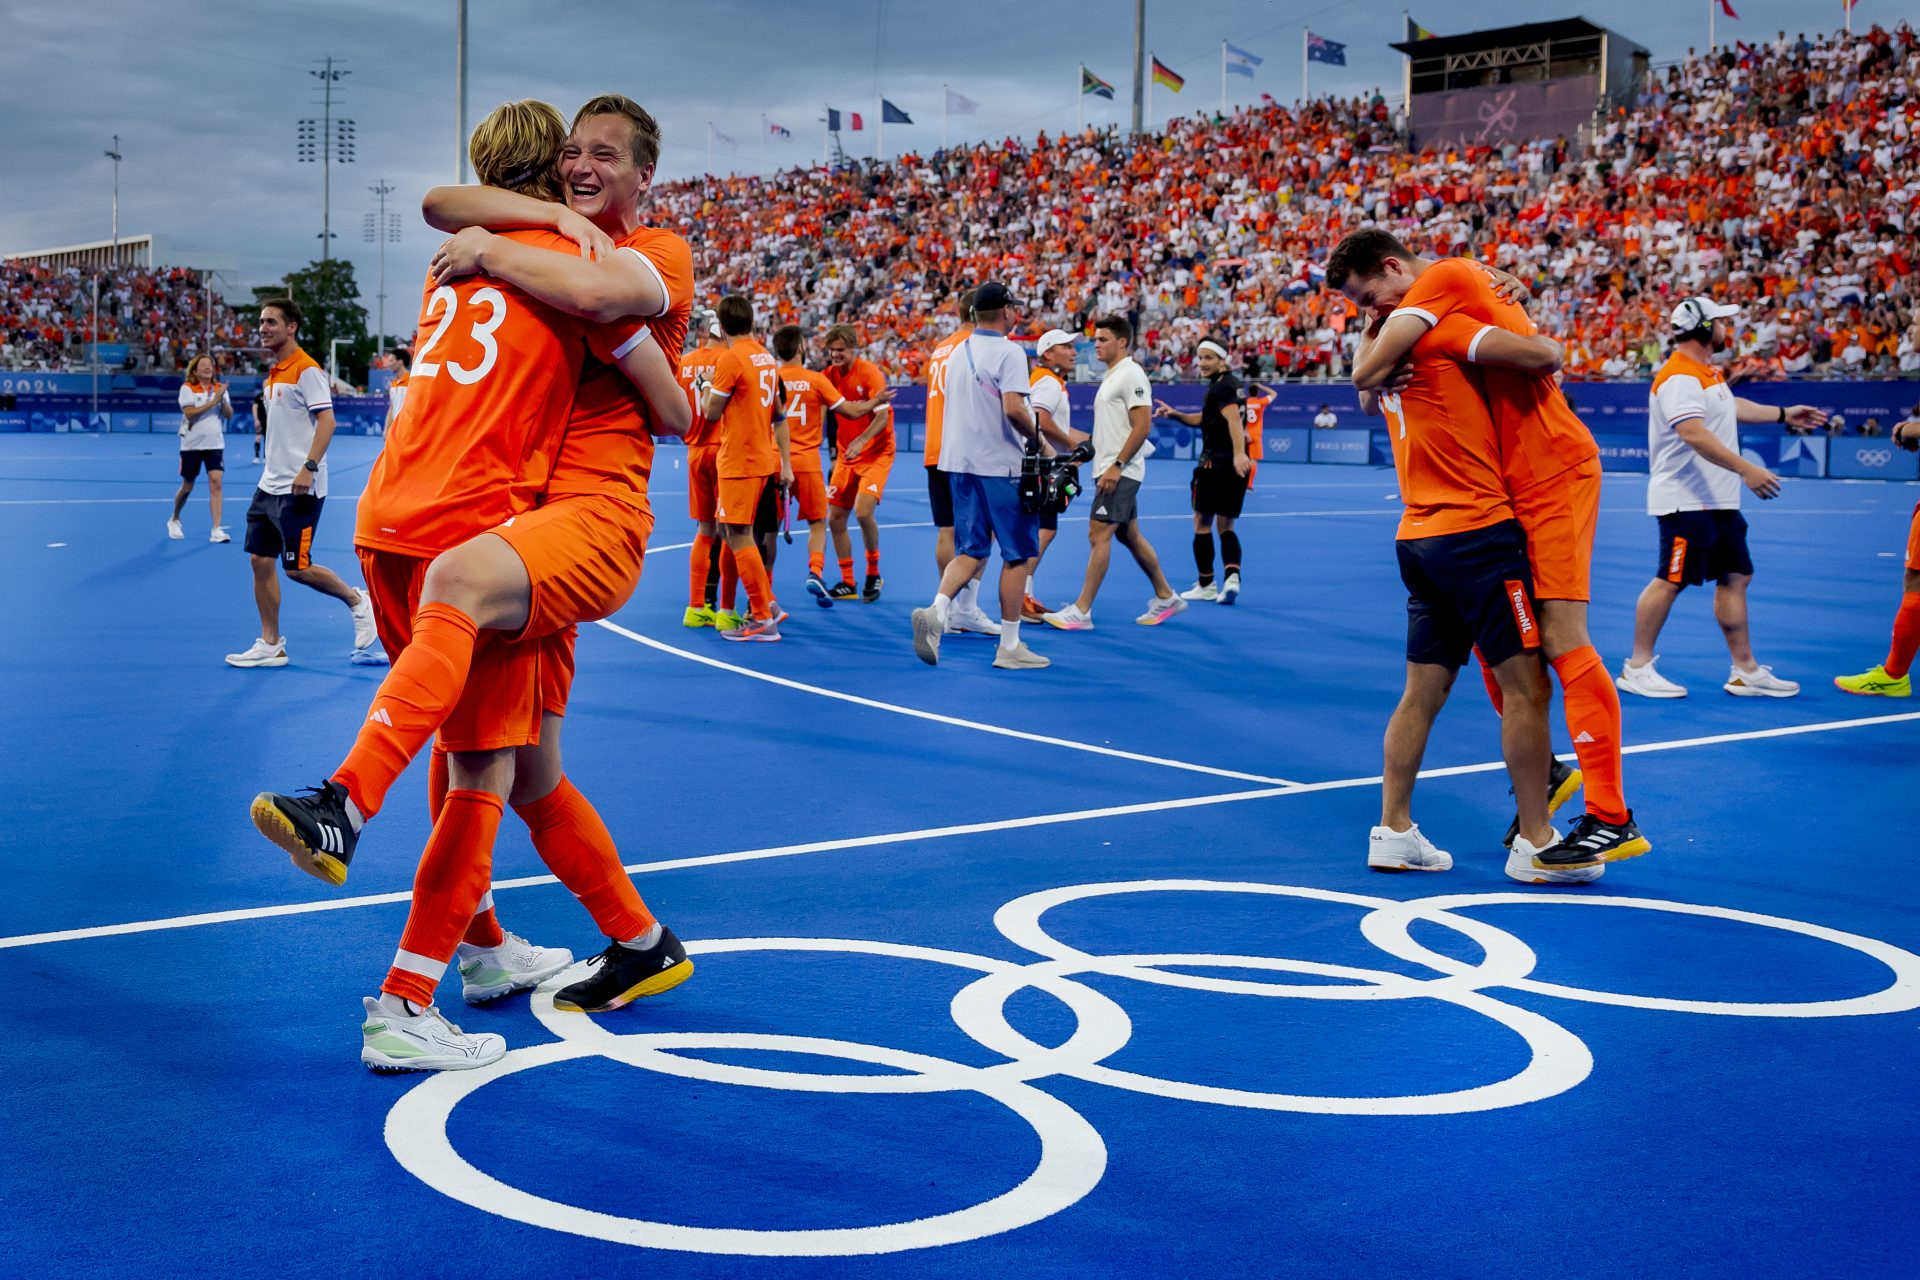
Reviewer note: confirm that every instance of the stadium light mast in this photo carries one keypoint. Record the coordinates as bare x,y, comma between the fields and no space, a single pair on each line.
329,141
113,154
460,91
382,228
1139,58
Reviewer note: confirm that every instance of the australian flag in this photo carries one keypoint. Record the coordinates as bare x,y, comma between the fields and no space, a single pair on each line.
1320,49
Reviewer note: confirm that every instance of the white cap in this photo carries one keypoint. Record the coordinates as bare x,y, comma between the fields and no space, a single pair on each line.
1050,339
1695,313
713,325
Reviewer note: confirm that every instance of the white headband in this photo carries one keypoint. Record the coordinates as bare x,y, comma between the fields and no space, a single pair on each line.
1216,348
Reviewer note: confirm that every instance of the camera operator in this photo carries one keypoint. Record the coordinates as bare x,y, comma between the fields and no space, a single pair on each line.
983,444
1054,358
1122,419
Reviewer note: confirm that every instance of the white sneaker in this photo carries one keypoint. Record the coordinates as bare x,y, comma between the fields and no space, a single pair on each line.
261,654
219,534
926,635
1520,865
1198,592
1390,850
1020,658
974,620
487,973
1230,589
1071,618
372,656
423,1042
1758,683
174,530
364,632
1158,610
1647,682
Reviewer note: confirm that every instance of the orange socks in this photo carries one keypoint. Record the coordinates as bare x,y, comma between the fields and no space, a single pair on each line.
447,889
413,701
729,577
576,846
1906,636
817,563
1593,718
846,570
485,931
753,575
873,563
697,570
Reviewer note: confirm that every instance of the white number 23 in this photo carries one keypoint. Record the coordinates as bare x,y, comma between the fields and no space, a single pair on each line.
446,301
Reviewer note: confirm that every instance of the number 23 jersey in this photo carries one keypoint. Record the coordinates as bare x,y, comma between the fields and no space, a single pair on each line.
493,381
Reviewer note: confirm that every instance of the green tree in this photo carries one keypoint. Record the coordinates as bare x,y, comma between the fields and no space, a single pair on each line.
330,304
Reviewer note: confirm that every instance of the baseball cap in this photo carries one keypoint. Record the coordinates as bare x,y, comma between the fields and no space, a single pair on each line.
1050,339
1697,312
992,296
713,325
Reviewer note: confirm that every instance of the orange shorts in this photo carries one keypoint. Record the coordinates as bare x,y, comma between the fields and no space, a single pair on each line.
703,479
500,706
1913,540
810,495
850,483
583,557
1559,516
556,670
739,499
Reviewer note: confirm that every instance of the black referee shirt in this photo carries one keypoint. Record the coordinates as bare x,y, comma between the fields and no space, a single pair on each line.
1223,389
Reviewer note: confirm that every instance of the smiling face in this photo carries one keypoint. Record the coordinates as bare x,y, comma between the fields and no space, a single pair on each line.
276,335
1210,363
839,354
1382,293
201,371
603,184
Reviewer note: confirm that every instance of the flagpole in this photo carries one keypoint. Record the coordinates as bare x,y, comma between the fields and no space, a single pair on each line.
1151,59
1303,68
1847,7
1223,77
1713,7
709,150
880,134
763,141
826,137
1080,102
945,104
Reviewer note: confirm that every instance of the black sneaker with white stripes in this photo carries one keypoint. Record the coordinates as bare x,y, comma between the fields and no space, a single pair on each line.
623,974
1593,841
313,827
1562,781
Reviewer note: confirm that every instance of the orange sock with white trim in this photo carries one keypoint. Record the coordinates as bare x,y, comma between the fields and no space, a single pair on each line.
413,701
1906,636
452,879
485,930
576,846
1593,718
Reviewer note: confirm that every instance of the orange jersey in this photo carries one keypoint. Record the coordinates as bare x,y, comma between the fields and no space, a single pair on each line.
937,390
1256,417
749,376
491,388
696,375
608,444
1540,435
809,396
861,380
1446,449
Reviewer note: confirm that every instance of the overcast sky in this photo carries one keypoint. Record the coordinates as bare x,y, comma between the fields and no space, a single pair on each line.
205,95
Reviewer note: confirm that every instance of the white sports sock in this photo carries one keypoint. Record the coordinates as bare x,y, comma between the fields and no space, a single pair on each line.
399,1006
968,597
942,606
354,816
1009,635
643,941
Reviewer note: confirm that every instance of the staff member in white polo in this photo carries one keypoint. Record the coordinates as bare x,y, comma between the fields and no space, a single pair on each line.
983,437
1693,489
1053,361
1122,420
293,488
204,409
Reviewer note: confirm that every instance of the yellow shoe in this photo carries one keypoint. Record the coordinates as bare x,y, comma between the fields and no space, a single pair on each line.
727,620
697,616
1876,683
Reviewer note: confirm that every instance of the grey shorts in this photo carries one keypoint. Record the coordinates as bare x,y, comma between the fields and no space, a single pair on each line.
1122,506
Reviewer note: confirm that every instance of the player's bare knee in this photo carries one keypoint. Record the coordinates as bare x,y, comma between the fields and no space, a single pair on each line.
490,771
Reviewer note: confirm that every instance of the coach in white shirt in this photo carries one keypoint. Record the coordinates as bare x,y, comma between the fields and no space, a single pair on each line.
983,440
1122,420
1693,487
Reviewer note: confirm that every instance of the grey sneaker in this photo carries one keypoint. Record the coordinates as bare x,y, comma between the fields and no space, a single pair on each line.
1201,591
1020,658
926,635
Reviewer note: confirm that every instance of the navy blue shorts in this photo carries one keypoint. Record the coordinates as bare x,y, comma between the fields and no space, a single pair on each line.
1465,590
282,524
986,509
1703,546
192,461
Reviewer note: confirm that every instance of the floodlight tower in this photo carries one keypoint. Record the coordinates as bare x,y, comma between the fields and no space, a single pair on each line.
382,228
329,141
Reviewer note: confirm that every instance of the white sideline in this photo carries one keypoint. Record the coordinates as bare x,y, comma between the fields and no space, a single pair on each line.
898,837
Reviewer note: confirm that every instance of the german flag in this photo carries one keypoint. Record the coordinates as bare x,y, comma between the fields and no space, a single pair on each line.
1166,75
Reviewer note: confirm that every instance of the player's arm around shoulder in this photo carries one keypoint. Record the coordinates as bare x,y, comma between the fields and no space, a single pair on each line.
621,284
657,379
1392,341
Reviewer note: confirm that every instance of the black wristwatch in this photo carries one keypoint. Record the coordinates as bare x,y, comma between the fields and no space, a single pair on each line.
1783,413
312,465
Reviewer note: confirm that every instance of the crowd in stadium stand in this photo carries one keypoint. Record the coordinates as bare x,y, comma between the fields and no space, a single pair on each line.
46,317
1785,177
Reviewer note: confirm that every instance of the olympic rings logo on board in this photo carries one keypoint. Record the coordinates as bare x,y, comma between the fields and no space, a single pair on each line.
1874,457
1073,1155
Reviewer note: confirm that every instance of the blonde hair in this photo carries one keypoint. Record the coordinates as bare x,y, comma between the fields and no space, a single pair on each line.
195,363
515,147
646,130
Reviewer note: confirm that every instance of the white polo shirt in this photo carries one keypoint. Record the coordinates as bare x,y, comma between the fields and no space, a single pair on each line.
295,390
1050,393
1124,389
1678,478
207,430
975,436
